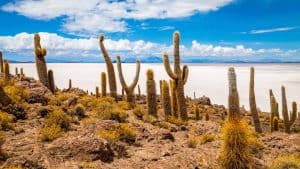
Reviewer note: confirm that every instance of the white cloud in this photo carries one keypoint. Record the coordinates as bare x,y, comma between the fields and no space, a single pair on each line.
94,16
271,30
61,46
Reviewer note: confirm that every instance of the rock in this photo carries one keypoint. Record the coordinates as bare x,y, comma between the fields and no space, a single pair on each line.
71,101
17,111
203,100
168,136
38,98
43,111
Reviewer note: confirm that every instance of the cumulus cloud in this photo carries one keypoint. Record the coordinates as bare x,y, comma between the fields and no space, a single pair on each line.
56,45
94,16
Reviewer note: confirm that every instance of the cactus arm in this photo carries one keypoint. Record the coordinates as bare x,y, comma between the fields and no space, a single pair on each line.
137,74
121,77
185,74
103,49
39,51
176,39
168,67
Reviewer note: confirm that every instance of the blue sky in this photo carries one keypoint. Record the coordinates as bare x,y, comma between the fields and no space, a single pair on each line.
217,30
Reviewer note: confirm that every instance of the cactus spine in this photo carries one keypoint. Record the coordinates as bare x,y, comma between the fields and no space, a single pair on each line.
151,93
288,120
103,84
252,103
128,89
166,99
1,62
110,70
51,81
40,61
178,75
233,98
6,70
97,92
174,98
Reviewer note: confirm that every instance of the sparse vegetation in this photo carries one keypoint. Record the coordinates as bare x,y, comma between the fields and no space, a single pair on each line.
286,162
119,132
205,138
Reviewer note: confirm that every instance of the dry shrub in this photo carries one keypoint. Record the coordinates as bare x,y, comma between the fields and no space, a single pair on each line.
286,162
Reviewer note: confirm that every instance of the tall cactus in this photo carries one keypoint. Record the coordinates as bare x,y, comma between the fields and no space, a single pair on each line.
151,93
103,84
4,98
178,75
16,71
174,98
288,120
166,101
252,103
110,69
97,92
21,72
1,62
70,84
6,70
128,89
51,81
40,61
273,112
233,98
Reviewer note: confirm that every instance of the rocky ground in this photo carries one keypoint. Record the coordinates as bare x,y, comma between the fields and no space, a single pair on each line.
157,145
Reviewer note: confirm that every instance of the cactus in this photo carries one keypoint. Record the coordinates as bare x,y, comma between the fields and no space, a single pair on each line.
97,92
1,63
6,70
178,75
252,103
151,93
273,112
21,72
233,98
197,113
5,100
128,89
174,98
123,93
275,124
40,61
51,81
206,117
166,99
16,71
139,91
70,84
288,120
110,69
103,84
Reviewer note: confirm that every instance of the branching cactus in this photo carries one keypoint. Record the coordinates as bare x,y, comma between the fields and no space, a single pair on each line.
233,98
4,99
103,84
174,98
151,93
129,89
252,103
178,75
110,69
40,61
166,99
6,70
51,81
288,120
1,62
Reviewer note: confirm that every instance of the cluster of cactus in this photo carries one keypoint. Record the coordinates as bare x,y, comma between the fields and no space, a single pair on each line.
178,75
110,69
151,93
130,98
252,103
103,84
288,120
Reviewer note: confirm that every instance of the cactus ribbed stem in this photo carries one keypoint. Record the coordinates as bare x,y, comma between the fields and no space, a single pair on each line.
233,98
103,84
178,75
51,81
151,94
21,72
70,84
288,120
6,70
97,92
110,69
1,62
252,103
128,89
16,71
166,99
197,113
40,61
174,98
273,112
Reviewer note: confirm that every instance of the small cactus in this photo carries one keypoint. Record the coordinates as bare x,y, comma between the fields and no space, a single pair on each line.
129,89
166,99
197,113
151,93
40,61
21,72
51,81
103,84
288,120
174,99
1,63
206,117
275,124
70,84
16,71
6,70
139,91
178,75
110,69
233,98
97,92
252,103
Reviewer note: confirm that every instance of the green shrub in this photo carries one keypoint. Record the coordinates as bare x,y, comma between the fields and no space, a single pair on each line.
286,162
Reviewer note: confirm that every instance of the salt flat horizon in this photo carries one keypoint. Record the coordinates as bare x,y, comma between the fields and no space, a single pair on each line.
209,79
